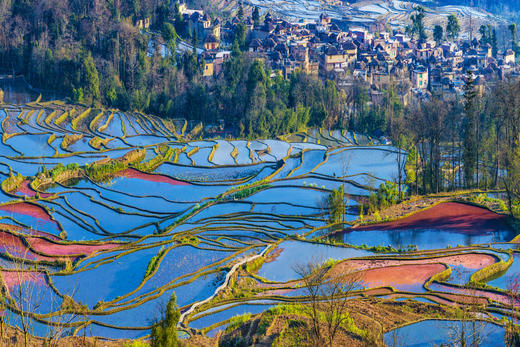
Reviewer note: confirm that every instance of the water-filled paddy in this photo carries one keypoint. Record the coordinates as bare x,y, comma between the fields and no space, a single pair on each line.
439,332
181,225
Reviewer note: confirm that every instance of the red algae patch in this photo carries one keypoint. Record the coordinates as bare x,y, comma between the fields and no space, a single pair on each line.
27,209
502,298
28,232
57,249
26,190
465,299
469,260
132,173
406,275
15,278
447,216
378,291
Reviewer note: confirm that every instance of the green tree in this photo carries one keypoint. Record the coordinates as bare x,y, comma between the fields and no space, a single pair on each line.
484,34
241,35
470,136
90,78
336,205
417,23
240,12
438,33
168,32
453,27
513,30
77,95
256,16
164,332
493,39
180,25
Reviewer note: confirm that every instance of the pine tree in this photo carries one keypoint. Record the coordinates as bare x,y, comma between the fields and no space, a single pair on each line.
256,16
240,12
470,138
438,33
512,29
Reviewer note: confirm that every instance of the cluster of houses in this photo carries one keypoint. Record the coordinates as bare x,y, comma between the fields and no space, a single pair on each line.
353,54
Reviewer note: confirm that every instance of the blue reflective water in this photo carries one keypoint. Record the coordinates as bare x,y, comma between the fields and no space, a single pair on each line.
437,332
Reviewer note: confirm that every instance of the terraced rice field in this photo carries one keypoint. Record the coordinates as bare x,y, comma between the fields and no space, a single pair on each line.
396,13
142,209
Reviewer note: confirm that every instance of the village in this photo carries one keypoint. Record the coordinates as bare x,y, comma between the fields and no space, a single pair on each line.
372,54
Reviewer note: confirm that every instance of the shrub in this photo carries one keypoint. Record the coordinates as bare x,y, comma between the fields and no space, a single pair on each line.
136,343
255,265
154,261
12,182
237,321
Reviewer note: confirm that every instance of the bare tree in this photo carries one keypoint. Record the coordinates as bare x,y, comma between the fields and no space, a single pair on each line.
27,299
469,331
327,307
512,328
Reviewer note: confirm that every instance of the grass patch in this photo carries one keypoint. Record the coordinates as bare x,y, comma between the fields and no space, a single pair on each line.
154,262
237,321
12,182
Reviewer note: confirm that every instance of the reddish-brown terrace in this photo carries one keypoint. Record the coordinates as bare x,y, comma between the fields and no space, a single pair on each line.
132,173
447,216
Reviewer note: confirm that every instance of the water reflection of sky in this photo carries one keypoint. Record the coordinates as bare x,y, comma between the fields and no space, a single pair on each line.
437,332
506,279
424,238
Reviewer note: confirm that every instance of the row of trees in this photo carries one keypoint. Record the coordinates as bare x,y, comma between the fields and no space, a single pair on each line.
470,141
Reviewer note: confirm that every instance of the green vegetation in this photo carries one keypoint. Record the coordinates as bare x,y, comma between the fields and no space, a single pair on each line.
387,249
299,310
69,140
165,154
387,195
188,240
154,262
12,182
336,205
246,191
255,265
103,170
164,332
97,142
268,316
76,121
100,172
440,277
480,277
237,321
136,343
